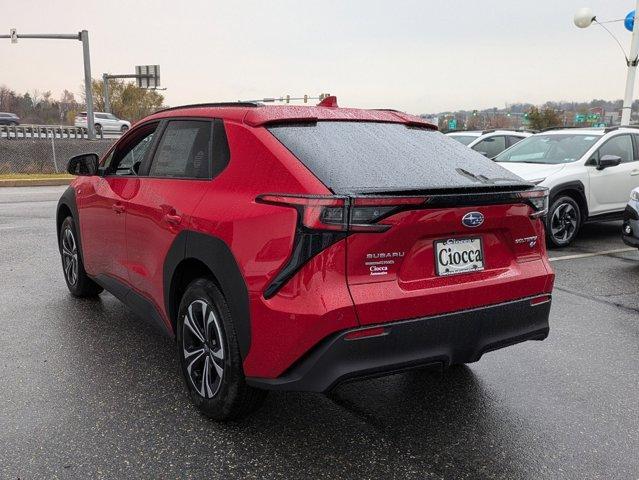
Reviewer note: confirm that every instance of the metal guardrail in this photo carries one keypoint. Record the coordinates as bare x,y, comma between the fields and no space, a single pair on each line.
44,131
37,149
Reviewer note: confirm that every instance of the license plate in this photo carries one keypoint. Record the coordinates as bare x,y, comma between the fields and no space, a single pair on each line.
458,255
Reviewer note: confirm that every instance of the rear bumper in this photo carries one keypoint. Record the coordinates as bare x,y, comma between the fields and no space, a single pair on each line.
459,337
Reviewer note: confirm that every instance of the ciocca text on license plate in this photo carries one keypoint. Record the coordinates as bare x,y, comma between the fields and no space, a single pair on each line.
458,255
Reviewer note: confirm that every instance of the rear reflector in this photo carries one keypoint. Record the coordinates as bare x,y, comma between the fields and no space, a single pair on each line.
367,333
539,300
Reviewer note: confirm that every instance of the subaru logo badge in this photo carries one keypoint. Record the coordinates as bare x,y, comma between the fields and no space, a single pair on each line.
473,219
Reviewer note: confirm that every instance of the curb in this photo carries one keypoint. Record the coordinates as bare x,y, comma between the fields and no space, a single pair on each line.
40,182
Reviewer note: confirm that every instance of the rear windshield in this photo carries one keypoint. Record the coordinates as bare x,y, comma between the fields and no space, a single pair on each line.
359,157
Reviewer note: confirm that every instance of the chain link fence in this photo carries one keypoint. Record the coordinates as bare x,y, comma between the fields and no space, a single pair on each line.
44,150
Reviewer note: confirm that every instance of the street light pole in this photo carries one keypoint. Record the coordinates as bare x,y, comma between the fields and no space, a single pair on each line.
632,61
88,91
105,88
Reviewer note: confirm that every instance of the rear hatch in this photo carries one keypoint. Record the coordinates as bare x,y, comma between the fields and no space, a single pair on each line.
432,226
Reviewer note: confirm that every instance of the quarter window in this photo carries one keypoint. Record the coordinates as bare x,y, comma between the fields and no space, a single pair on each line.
184,150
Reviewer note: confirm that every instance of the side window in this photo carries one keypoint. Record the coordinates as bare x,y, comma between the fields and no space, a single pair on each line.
512,140
636,137
127,158
620,146
184,150
491,146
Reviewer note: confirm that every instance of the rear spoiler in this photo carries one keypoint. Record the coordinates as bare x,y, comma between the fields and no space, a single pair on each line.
273,115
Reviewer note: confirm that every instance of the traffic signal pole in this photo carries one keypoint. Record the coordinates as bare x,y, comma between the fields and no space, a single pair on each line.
82,36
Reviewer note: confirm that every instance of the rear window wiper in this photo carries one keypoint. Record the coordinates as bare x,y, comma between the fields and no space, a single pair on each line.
482,178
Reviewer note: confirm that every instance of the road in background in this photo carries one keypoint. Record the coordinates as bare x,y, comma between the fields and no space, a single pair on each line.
88,390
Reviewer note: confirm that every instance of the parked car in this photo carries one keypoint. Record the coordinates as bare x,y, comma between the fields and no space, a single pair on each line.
489,142
9,119
590,173
104,122
630,228
294,248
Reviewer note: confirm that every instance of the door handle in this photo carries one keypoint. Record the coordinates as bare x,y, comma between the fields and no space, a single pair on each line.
118,208
634,173
173,218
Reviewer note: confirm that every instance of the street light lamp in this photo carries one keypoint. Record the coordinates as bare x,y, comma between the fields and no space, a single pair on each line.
584,17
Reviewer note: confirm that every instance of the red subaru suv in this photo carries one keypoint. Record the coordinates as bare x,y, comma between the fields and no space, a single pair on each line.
297,247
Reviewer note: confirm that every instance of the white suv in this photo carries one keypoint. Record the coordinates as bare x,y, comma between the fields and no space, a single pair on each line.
104,122
489,142
590,173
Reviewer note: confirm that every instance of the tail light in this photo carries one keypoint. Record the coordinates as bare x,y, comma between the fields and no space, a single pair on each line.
323,220
343,214
538,200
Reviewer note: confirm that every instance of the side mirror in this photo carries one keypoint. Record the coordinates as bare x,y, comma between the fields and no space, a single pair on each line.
608,161
85,164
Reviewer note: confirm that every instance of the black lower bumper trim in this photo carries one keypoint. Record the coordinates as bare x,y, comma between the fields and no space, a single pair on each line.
630,213
630,241
460,337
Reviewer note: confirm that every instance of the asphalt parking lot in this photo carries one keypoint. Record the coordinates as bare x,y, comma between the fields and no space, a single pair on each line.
87,390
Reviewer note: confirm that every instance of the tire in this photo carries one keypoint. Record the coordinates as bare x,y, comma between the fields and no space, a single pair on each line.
98,128
563,222
78,282
124,128
222,394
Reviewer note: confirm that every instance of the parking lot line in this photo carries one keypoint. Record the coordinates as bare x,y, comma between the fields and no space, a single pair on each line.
593,254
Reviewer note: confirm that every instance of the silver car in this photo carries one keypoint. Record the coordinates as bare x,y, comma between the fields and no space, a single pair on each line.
104,122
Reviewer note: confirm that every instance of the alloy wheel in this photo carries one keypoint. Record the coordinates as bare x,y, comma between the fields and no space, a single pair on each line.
203,348
70,256
563,223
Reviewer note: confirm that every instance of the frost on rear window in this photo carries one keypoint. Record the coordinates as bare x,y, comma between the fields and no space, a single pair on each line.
351,157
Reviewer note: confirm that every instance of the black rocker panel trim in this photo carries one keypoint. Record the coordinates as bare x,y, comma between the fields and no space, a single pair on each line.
141,306
218,258
606,217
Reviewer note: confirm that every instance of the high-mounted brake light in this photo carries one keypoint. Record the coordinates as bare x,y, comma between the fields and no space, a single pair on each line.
538,200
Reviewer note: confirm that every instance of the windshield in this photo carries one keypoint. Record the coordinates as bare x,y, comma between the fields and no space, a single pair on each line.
367,156
550,149
463,139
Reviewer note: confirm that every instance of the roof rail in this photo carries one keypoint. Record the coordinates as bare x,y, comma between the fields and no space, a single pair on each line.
525,130
617,127
560,127
214,104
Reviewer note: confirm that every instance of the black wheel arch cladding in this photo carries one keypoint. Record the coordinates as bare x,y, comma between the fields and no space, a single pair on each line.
574,189
218,258
67,203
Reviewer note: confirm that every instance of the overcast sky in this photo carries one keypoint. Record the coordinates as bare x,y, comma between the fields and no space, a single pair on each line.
418,56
